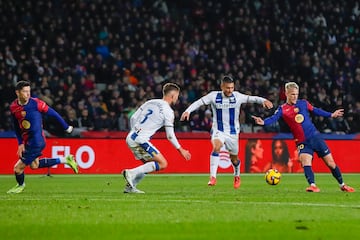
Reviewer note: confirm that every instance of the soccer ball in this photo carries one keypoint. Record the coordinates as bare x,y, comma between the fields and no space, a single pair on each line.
272,177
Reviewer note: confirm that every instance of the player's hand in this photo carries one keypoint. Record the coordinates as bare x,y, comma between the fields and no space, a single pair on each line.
185,153
267,104
258,120
185,116
21,149
69,129
338,113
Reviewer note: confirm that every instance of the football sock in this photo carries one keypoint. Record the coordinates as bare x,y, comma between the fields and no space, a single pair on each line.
146,168
337,174
214,163
237,168
138,178
20,178
48,162
309,174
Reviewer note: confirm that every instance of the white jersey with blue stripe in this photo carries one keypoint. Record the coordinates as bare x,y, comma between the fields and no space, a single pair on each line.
226,110
151,116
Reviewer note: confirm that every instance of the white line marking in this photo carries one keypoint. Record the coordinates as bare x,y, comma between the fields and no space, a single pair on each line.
192,201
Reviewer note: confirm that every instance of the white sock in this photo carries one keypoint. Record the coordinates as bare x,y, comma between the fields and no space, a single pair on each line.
146,168
62,159
138,178
237,169
214,163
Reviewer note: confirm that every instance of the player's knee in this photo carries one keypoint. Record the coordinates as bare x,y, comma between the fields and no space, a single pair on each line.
163,165
34,165
18,169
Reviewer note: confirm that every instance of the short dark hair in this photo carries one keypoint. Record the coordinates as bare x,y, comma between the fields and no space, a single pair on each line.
21,84
227,79
168,87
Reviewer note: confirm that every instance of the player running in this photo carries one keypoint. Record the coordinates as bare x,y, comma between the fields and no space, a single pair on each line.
307,138
27,116
147,119
225,106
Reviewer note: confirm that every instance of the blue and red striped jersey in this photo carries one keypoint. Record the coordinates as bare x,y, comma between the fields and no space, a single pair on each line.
28,121
298,118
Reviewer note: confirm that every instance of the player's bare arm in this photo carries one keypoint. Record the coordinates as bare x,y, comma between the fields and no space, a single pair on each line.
21,149
267,104
258,120
338,113
185,153
185,116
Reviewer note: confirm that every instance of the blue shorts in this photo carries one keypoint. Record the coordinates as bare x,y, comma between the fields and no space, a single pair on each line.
30,154
314,144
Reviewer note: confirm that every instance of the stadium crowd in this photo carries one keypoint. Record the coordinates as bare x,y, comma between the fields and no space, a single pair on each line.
95,61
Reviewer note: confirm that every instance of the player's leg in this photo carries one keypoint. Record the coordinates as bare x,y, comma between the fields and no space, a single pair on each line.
19,177
28,157
324,153
335,171
214,160
153,161
306,161
49,162
232,145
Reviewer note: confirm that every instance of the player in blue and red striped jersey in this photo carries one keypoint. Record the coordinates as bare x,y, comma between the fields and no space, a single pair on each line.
296,115
27,115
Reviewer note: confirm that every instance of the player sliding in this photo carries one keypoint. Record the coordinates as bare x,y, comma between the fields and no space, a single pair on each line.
307,138
27,116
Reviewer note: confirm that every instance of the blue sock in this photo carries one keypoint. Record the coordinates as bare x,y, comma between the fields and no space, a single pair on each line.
216,154
157,167
48,162
20,178
337,174
309,174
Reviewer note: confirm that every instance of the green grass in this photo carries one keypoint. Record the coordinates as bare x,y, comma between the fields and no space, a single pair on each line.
178,207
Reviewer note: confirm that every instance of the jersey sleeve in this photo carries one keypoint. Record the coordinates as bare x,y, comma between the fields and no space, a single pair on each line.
51,112
318,111
41,105
135,116
205,100
169,127
254,99
275,117
17,130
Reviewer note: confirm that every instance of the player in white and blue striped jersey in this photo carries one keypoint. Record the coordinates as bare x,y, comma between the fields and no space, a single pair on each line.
148,118
225,106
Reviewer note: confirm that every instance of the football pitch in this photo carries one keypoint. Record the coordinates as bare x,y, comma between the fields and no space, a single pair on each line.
178,207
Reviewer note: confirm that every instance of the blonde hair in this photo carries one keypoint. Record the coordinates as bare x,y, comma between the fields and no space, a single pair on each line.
290,85
168,87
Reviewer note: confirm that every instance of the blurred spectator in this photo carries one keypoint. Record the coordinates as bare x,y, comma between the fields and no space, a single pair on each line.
207,121
96,49
85,121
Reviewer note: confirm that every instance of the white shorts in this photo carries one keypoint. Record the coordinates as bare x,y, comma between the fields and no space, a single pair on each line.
231,141
141,148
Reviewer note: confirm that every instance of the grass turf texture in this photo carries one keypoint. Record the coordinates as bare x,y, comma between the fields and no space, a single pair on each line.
178,207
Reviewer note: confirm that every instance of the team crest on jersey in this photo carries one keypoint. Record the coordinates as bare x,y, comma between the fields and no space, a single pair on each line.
232,99
23,113
26,124
299,118
296,110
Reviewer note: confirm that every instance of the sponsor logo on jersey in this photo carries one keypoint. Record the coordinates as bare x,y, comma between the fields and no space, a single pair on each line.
299,118
25,124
